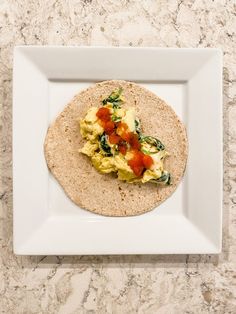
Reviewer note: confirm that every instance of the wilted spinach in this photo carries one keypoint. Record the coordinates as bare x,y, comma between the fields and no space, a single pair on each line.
114,98
103,143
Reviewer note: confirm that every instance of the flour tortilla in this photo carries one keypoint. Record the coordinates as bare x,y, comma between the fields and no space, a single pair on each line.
103,193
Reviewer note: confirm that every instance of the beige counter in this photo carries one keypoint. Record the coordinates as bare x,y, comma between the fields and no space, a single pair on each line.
119,284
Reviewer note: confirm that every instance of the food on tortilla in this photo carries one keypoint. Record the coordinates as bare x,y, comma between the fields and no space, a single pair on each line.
104,194
115,143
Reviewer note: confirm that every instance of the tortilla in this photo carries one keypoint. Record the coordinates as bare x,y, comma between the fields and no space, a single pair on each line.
103,193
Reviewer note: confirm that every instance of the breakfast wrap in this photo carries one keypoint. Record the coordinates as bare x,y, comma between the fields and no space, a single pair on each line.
117,149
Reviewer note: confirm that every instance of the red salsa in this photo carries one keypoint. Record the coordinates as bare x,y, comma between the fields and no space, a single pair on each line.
119,134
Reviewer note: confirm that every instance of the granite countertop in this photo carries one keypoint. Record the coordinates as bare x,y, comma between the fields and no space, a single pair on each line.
119,284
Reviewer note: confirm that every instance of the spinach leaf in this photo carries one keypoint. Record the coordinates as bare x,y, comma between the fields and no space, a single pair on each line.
103,143
115,118
138,127
114,98
153,142
165,178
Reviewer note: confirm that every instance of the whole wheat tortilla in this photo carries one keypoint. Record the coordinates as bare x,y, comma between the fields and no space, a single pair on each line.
103,193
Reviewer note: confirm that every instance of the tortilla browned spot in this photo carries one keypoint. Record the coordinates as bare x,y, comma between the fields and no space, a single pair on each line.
103,193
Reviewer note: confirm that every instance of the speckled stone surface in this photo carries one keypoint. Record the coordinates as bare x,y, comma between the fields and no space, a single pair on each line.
119,284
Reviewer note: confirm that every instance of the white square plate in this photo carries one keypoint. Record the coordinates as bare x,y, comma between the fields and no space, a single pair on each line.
46,221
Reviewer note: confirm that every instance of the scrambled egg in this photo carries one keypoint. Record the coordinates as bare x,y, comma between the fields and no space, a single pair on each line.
109,149
89,126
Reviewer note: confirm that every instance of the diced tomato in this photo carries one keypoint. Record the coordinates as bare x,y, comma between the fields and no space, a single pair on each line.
136,163
125,136
109,127
123,148
147,161
103,114
121,127
138,170
139,162
138,157
114,138
102,123
136,167
134,142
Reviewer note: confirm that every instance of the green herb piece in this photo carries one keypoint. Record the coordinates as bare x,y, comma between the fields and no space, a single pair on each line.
138,127
115,118
146,151
165,178
114,98
152,141
103,143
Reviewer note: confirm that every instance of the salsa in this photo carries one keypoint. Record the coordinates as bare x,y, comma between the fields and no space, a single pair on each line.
118,133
